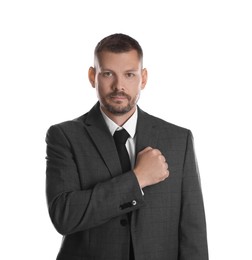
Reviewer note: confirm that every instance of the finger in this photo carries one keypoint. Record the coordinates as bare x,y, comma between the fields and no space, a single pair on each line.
161,158
166,175
146,149
157,152
166,166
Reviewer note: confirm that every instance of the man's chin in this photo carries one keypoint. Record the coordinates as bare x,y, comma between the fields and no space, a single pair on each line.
118,110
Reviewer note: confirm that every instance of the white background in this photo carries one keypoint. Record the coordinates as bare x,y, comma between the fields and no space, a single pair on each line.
199,58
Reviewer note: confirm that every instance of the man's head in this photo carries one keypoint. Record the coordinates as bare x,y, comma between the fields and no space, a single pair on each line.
118,74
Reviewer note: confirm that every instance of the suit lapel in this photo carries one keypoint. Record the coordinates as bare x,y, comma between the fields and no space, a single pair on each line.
147,133
104,142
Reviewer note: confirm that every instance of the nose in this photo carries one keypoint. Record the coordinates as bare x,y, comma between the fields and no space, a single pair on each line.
119,84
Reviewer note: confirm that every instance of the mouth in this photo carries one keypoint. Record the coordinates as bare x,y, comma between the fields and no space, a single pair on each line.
119,96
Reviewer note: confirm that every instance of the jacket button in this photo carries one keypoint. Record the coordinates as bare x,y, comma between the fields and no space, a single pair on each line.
133,202
124,222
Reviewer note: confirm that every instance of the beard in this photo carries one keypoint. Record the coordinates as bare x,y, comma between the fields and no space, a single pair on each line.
117,107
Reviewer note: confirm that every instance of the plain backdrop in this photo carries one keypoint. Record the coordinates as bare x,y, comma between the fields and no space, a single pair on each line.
199,58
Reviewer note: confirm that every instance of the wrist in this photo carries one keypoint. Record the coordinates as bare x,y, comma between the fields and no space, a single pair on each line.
140,179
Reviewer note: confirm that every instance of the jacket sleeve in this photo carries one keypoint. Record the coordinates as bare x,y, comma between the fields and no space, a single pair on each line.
193,237
73,209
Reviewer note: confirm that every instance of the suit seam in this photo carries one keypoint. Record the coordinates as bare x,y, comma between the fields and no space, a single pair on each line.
185,153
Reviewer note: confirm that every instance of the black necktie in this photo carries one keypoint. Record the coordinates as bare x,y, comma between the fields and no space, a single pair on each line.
120,138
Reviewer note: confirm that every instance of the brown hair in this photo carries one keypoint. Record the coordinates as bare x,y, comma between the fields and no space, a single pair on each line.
118,43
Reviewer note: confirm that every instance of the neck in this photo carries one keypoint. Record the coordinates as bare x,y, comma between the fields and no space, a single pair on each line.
120,119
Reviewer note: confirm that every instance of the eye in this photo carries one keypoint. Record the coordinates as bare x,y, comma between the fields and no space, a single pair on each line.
130,74
107,74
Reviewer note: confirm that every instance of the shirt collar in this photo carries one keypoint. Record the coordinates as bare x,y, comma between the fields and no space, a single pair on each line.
129,125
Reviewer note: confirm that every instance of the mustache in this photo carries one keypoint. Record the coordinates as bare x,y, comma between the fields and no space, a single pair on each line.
118,94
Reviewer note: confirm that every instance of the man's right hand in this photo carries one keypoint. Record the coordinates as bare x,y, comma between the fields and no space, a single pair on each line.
151,167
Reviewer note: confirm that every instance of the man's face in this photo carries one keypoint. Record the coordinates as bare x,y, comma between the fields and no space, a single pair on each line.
118,79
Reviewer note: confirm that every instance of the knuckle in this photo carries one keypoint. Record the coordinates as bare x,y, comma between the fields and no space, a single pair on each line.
153,152
156,151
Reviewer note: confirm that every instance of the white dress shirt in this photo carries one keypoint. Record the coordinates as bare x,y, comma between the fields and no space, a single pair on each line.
130,127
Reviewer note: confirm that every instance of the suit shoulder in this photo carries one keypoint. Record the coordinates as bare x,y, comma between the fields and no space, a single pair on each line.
69,125
161,123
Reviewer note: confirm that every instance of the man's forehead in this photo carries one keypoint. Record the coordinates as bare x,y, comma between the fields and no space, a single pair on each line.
111,59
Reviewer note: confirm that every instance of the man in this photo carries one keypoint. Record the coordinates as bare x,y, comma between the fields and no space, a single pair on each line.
104,210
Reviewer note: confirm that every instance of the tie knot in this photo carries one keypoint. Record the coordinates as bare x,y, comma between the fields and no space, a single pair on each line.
121,136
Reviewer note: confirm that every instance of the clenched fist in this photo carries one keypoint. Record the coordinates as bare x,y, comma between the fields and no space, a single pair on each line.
151,167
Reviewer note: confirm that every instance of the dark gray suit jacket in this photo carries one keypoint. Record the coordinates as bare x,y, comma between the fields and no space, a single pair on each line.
89,197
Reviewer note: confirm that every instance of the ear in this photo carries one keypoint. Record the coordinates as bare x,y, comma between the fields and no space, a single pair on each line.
91,76
144,78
